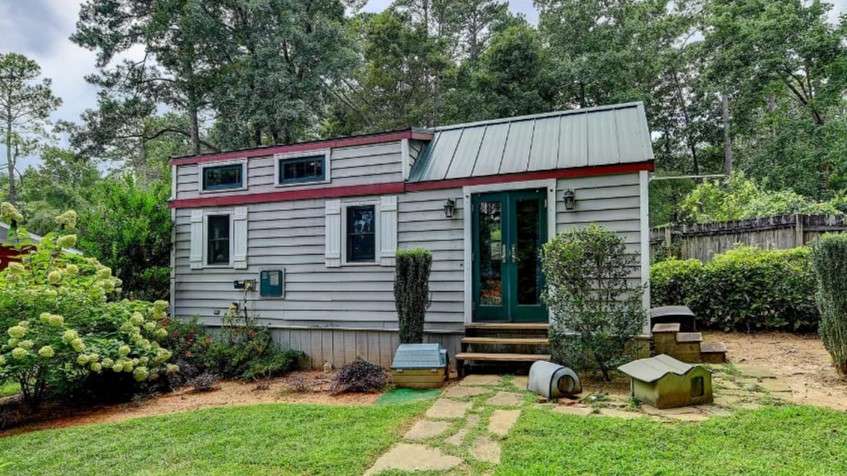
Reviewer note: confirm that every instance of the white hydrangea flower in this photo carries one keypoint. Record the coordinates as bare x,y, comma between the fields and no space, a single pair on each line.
19,353
160,305
124,350
82,359
54,277
26,344
72,269
104,272
96,367
67,220
15,268
172,368
17,331
140,374
78,345
47,352
107,363
137,318
150,326
69,336
66,241
161,333
56,320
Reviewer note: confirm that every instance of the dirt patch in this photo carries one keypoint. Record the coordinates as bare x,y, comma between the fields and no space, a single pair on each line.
296,387
796,362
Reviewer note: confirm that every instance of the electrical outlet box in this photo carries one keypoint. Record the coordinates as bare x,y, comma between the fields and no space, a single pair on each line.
272,283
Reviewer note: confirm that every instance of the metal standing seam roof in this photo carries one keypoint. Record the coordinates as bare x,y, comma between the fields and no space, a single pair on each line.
558,140
654,368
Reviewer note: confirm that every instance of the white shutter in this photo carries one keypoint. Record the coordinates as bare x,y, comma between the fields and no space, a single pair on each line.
387,230
195,257
239,238
332,233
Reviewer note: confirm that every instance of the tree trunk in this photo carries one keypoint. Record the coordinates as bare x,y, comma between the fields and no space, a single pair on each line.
727,138
10,159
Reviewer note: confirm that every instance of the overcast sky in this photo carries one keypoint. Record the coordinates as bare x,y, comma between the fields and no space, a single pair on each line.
40,29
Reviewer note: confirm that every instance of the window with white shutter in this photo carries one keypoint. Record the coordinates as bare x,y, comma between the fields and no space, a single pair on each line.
332,233
239,237
387,230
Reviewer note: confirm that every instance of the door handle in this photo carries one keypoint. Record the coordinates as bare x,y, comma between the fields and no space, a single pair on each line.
513,255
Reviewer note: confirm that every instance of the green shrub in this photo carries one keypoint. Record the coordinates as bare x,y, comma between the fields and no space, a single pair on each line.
411,292
742,289
830,263
61,327
596,307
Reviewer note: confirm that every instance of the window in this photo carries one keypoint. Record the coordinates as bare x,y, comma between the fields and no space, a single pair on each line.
301,169
361,234
217,240
223,177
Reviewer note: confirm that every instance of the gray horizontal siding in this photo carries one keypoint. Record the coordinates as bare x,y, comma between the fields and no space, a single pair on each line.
358,165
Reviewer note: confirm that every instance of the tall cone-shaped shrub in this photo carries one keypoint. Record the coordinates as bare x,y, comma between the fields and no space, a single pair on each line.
411,292
830,261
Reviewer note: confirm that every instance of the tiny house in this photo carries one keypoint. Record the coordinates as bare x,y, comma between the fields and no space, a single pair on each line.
305,234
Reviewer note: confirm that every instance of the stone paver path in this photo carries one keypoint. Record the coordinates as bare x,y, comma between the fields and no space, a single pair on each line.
406,457
462,430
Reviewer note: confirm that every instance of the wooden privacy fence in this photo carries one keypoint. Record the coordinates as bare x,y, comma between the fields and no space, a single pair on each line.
703,241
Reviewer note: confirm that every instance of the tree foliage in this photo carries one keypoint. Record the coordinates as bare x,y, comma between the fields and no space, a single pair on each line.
588,289
25,107
411,292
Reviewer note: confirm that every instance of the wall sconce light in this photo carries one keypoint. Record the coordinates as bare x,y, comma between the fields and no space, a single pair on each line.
570,199
449,208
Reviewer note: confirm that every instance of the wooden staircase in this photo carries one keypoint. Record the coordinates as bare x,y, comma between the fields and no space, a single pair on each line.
686,346
503,345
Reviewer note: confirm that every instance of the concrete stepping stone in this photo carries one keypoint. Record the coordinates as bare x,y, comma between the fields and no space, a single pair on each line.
616,413
520,381
480,379
458,438
579,410
502,421
486,450
461,391
424,429
448,409
413,457
505,399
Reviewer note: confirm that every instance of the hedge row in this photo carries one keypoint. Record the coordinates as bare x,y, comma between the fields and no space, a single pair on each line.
743,289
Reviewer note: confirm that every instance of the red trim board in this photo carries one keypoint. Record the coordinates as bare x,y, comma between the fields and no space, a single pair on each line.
314,145
400,187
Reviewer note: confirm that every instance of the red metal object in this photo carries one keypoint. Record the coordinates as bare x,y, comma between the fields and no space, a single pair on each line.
8,255
400,187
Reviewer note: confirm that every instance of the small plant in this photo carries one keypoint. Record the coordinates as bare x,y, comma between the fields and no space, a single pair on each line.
830,262
205,382
597,311
298,384
411,292
360,376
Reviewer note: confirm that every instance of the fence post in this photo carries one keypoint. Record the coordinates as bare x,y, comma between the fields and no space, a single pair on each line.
668,236
799,238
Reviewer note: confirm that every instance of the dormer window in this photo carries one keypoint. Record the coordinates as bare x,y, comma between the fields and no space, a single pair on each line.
223,177
302,168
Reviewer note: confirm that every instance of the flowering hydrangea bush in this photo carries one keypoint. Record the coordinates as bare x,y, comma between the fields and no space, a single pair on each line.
59,325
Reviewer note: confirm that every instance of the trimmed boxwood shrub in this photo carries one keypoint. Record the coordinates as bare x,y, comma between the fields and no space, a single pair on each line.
830,261
742,289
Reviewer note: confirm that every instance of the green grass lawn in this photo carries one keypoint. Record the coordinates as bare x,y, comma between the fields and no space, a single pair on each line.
773,440
261,439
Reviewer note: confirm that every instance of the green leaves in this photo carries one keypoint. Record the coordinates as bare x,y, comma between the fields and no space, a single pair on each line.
830,262
595,304
742,289
411,292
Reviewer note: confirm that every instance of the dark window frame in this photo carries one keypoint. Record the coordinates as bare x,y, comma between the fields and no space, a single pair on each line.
348,234
281,161
216,188
208,240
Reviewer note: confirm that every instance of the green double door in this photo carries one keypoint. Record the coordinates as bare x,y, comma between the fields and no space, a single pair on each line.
509,229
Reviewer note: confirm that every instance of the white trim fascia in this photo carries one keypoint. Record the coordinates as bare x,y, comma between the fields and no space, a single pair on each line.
215,212
377,229
304,153
174,171
467,217
644,208
405,159
206,165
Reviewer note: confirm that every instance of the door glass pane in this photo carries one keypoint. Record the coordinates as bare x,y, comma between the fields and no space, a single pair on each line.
490,254
527,250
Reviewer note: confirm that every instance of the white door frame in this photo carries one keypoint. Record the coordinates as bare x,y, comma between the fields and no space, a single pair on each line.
467,191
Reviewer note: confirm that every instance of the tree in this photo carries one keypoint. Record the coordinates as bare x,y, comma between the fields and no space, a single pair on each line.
597,309
25,107
830,261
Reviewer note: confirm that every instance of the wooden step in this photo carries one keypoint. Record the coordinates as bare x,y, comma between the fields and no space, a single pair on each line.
513,326
666,328
505,341
483,357
686,337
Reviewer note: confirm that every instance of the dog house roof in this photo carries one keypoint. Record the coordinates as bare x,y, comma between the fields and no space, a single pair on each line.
654,368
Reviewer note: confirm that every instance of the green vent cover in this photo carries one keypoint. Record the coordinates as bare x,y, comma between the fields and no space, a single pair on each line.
271,283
